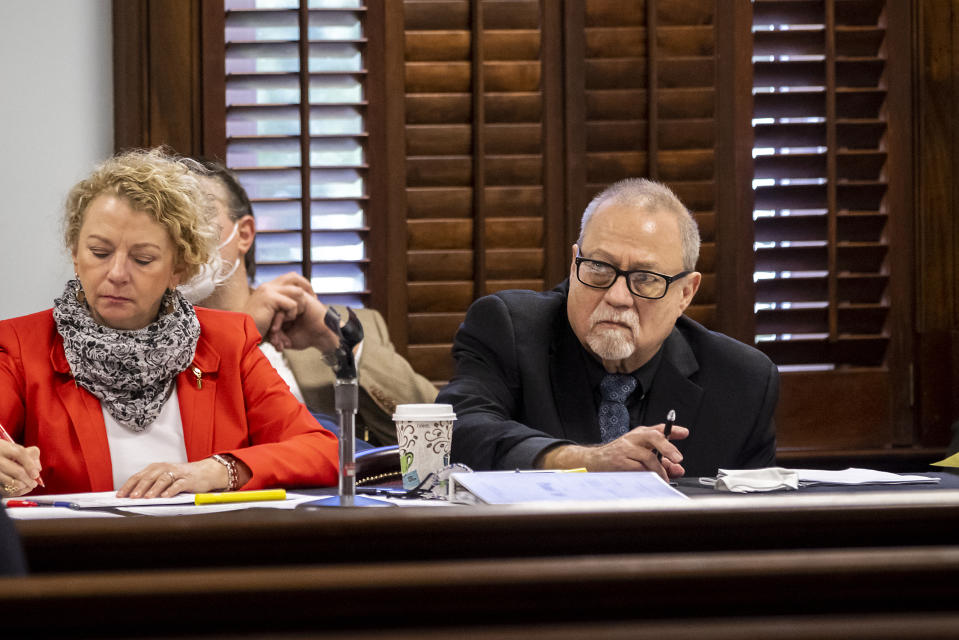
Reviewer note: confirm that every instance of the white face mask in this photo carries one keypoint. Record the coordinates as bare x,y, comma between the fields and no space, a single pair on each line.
211,275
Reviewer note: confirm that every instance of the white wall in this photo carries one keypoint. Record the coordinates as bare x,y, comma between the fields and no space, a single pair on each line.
56,123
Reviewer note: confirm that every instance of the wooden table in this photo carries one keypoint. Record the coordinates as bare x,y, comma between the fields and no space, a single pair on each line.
785,564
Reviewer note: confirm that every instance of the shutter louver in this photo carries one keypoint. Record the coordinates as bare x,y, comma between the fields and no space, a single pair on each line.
572,96
819,185
297,137
825,212
650,110
474,167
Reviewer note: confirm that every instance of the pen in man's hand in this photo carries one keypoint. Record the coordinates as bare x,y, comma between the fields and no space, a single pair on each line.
670,418
6,436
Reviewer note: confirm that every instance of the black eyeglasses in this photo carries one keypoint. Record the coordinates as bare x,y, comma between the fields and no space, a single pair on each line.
642,283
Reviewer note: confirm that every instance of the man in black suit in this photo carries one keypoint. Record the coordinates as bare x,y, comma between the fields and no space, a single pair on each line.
570,378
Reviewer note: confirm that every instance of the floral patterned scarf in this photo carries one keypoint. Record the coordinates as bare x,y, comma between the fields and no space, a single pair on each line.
130,371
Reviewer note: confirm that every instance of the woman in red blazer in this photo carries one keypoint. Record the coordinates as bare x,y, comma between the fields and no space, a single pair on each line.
123,384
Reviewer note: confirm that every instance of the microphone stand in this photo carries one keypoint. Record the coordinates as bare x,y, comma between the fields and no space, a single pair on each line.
346,401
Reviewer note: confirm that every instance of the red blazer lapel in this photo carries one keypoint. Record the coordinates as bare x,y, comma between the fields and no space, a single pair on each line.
87,418
196,389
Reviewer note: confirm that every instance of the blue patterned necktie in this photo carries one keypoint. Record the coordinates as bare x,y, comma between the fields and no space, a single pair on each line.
613,414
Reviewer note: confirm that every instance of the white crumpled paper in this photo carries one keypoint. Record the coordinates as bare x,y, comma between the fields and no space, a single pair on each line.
752,480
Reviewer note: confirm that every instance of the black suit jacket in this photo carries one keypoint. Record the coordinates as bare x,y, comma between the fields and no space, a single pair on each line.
520,388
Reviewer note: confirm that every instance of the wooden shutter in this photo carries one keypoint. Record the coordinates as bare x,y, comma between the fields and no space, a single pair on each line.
649,110
853,403
825,221
296,135
487,207
475,164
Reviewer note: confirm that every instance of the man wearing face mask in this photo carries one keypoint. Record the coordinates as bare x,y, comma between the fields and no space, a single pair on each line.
291,318
213,274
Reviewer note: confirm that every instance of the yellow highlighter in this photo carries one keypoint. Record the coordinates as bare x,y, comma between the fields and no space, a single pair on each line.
239,496
576,470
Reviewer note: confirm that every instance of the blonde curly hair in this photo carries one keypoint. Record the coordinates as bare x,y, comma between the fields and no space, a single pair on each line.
161,184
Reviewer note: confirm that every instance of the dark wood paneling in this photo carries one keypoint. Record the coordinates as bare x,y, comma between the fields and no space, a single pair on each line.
937,218
555,239
576,105
437,45
438,202
439,171
478,175
158,80
335,537
433,357
174,62
387,208
438,14
834,409
899,229
438,108
437,266
525,593
508,201
479,156
130,77
936,391
440,297
438,139
436,327
213,80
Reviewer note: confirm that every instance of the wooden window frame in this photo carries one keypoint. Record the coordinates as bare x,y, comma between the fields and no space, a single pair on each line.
164,80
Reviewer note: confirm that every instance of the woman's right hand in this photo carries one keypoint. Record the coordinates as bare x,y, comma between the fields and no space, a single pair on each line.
19,469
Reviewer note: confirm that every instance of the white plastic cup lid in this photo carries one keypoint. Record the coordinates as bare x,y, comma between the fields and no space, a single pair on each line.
424,412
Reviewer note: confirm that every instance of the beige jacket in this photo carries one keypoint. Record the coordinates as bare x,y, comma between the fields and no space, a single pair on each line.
385,378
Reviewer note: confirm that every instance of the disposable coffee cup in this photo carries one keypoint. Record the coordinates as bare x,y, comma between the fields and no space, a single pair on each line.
424,433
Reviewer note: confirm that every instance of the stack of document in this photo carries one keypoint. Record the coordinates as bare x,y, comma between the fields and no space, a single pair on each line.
853,476
105,504
523,487
779,478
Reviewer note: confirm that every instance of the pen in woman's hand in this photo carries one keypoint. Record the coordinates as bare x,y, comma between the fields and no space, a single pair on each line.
6,436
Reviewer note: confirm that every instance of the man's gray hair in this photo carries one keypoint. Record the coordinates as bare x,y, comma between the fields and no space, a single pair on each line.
648,195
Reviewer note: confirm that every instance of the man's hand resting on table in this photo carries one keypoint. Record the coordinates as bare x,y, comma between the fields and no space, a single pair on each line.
633,451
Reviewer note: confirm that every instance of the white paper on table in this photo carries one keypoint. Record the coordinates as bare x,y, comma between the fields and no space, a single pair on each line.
180,505
52,513
853,476
497,487
102,499
87,505
189,509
